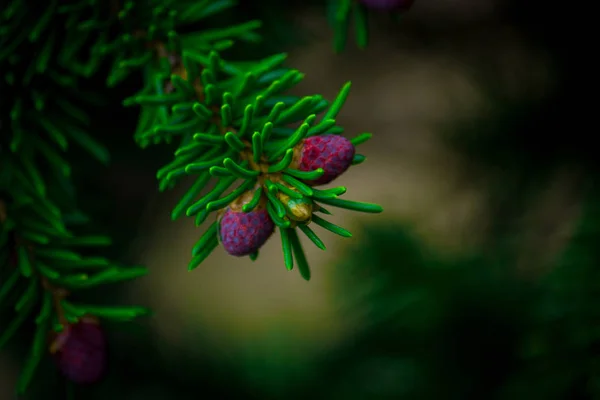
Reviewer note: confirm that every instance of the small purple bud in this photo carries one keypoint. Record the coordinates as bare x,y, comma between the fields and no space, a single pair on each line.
244,233
332,153
388,5
80,351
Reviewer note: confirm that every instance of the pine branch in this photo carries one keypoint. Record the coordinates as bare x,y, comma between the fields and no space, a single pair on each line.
232,122
41,266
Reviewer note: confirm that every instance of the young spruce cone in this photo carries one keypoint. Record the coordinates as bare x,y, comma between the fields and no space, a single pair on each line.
388,5
243,233
332,153
80,351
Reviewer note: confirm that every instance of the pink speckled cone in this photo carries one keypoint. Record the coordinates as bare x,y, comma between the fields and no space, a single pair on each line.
244,233
333,153
388,5
81,352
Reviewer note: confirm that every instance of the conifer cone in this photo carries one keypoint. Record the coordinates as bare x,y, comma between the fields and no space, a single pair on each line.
332,153
243,233
388,5
80,351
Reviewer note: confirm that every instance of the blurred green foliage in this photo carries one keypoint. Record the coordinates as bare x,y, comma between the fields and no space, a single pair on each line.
431,327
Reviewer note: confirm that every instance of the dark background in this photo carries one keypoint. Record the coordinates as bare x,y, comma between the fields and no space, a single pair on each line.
477,283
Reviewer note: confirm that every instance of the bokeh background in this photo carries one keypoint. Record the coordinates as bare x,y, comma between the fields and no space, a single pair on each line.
483,184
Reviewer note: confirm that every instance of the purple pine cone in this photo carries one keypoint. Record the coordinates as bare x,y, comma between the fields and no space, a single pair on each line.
333,153
80,352
244,233
388,5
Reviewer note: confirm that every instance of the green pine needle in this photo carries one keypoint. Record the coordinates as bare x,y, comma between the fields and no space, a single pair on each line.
299,255
312,236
